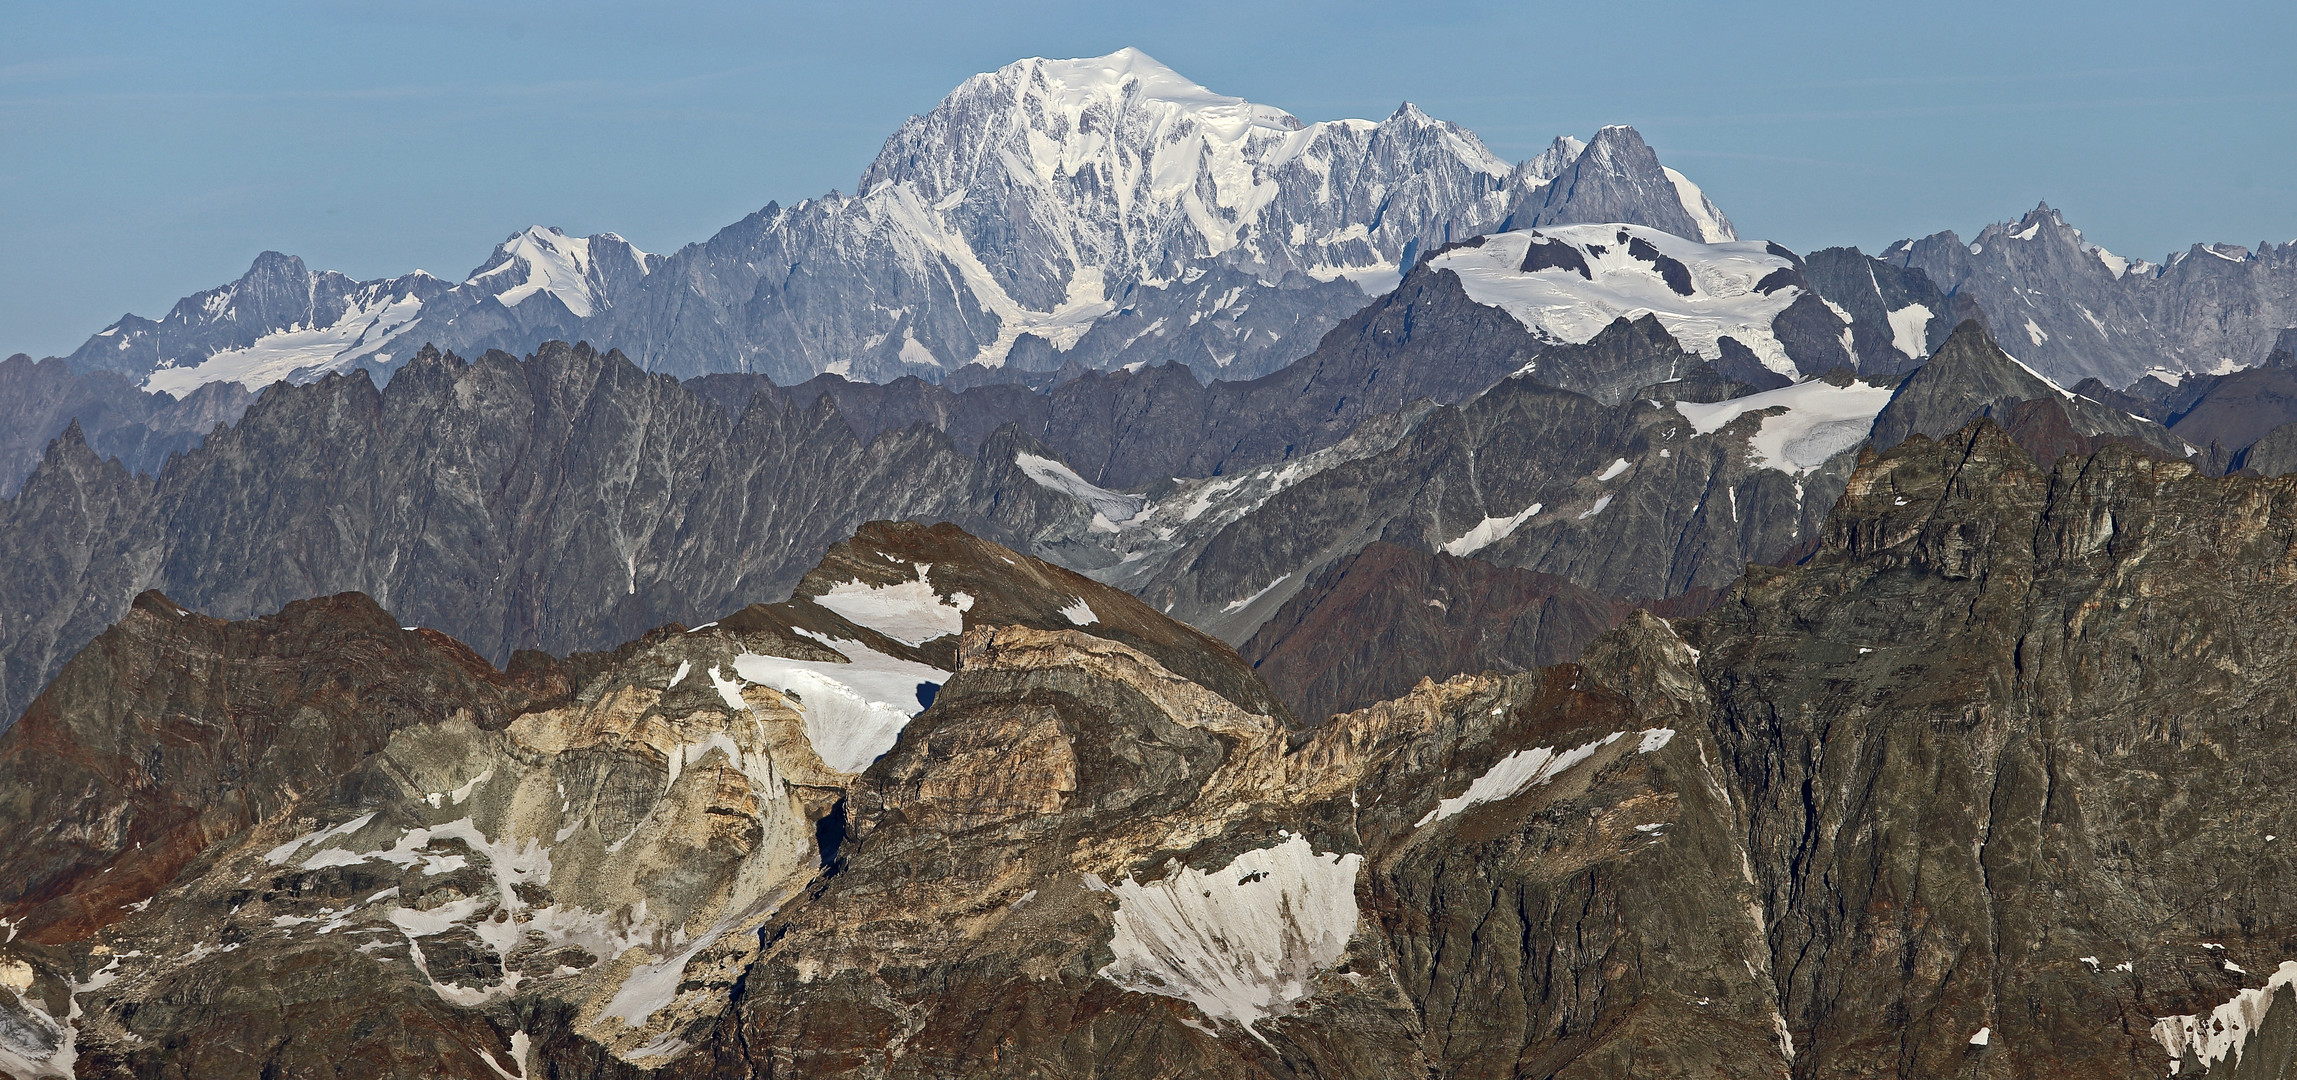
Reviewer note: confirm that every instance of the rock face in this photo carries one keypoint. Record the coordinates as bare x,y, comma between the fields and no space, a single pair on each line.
1988,785
1660,496
566,503
1103,848
1971,376
2004,745
39,400
1424,341
1897,314
1369,626
2074,310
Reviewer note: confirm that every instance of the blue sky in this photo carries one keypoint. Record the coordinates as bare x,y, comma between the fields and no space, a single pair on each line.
148,151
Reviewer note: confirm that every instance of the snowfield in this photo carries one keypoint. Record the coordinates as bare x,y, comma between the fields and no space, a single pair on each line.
1590,275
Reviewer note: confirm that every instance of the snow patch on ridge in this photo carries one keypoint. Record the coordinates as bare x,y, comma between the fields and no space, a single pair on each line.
1489,531
1909,330
2207,1040
853,712
909,612
1241,943
1526,769
1704,213
1112,510
1821,421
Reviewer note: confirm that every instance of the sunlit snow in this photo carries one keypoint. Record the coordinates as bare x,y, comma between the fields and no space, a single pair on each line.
1241,943
1489,531
909,612
853,712
1821,420
1526,769
1561,305
1112,510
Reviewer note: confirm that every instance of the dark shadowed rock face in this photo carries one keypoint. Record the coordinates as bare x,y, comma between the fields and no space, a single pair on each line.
2011,748
1897,314
39,400
1970,376
1370,626
567,502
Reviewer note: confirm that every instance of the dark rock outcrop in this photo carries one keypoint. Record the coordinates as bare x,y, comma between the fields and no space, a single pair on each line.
1970,376
38,400
1369,626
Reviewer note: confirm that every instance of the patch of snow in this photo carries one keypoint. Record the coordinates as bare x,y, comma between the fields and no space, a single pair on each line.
1489,531
1909,330
1116,509
853,712
1243,942
1713,228
1526,769
279,855
680,675
2035,333
1080,613
1821,421
909,612
1984,1036
729,690
2207,1040
1245,602
1613,471
1601,503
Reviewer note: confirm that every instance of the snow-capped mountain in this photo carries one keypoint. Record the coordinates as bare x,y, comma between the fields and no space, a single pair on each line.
282,320
1048,197
1103,212
2074,310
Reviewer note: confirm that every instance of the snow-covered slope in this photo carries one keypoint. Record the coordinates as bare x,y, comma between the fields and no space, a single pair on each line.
374,317
546,260
1567,283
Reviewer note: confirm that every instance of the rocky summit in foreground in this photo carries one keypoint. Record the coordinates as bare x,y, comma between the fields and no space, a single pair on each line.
1989,785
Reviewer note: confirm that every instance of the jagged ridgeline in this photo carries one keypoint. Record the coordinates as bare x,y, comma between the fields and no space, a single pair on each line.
570,501
954,811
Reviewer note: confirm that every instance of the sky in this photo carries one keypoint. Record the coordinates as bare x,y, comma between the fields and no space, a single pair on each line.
148,151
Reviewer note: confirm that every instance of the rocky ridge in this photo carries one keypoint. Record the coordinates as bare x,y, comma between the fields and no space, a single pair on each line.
2074,310
1987,785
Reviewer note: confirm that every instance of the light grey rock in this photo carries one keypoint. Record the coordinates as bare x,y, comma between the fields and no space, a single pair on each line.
2073,310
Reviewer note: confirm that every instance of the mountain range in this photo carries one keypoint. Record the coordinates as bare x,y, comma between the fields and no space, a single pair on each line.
1151,586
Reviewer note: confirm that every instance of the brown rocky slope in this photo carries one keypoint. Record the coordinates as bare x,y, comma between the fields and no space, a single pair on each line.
1991,785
